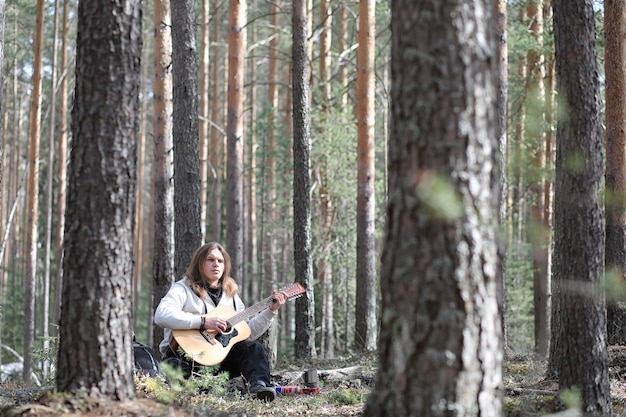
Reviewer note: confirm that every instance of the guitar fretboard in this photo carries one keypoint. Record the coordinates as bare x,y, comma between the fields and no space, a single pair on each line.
250,311
294,290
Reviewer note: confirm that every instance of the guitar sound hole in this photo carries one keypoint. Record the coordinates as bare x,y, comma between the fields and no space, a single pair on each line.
228,328
226,337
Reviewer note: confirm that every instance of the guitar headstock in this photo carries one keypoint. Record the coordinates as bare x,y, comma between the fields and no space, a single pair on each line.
292,291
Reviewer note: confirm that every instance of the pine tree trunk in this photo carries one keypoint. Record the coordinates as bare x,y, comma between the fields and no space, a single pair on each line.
234,135
366,293
269,163
252,262
95,326
62,161
162,255
216,148
501,27
49,194
32,209
578,233
305,309
615,200
203,138
440,344
187,228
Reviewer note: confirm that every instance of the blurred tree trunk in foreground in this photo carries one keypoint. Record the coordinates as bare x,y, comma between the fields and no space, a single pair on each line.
440,345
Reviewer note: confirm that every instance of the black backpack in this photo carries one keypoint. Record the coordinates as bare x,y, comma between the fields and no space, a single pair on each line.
146,362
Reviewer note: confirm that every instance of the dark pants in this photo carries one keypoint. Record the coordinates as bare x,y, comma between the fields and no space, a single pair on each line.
246,358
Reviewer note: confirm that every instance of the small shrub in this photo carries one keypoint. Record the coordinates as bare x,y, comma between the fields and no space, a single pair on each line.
345,397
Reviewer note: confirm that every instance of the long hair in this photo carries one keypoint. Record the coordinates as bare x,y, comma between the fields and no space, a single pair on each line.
194,274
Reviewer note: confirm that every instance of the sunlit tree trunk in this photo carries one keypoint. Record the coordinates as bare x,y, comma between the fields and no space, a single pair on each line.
62,158
269,161
503,66
343,45
216,148
324,264
32,236
3,156
234,134
203,139
366,294
287,209
252,281
140,223
304,345
49,196
535,137
516,200
162,255
550,121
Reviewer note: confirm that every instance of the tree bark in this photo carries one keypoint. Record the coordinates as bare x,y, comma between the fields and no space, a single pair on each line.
582,358
615,196
203,138
216,148
366,292
32,235
305,309
96,327
535,137
501,29
62,161
234,135
187,229
162,255
49,192
440,347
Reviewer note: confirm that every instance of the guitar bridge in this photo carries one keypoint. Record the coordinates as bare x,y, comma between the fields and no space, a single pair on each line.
208,336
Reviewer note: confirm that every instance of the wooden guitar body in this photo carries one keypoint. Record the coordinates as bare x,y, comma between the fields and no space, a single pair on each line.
211,348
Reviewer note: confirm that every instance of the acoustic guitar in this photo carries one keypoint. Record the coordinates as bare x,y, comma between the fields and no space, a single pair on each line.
209,347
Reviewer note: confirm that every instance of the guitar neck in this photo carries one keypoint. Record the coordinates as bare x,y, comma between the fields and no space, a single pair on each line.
251,311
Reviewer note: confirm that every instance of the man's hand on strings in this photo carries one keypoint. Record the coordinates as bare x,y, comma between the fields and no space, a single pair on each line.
278,299
216,324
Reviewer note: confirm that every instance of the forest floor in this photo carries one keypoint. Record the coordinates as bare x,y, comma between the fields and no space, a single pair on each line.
344,386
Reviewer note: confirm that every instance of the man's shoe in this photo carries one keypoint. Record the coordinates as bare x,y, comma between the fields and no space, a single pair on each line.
262,392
